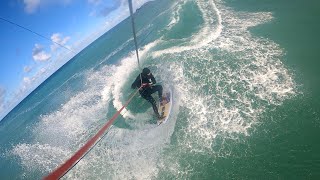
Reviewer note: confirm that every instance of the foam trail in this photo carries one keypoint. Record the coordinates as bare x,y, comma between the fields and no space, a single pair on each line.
221,97
175,18
66,129
205,35
61,132
224,93
125,157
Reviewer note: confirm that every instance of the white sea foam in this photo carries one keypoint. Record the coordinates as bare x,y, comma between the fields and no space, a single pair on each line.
120,156
126,154
225,92
41,157
221,95
66,129
61,132
176,8
226,82
210,30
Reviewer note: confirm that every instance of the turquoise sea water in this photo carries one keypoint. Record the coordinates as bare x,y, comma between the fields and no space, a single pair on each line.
246,104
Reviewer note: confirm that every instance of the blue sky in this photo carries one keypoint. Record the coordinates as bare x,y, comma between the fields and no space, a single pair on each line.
28,59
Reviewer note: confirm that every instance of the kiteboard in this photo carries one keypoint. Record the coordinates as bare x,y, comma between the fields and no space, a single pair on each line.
165,107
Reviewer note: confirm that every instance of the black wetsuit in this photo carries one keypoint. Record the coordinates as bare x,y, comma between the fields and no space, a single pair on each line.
148,89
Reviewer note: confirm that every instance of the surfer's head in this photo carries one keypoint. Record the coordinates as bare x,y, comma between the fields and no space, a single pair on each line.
146,71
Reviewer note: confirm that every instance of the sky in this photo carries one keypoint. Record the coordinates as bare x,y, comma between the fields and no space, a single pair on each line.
31,54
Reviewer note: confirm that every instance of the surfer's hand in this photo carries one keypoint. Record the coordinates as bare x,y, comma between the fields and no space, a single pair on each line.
145,85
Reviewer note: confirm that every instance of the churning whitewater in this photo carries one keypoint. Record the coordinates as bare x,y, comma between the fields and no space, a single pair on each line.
224,79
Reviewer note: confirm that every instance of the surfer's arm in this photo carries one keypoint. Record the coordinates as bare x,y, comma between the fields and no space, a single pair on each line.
153,79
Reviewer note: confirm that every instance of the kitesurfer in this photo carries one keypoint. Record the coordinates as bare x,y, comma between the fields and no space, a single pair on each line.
146,83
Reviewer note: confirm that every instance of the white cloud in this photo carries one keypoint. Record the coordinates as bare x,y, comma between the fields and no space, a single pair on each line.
93,13
26,86
31,6
57,38
27,69
94,2
119,13
110,7
112,19
2,93
29,83
2,100
116,16
26,80
39,54
104,9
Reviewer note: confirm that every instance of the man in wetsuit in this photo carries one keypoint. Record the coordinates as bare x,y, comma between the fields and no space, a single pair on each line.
146,82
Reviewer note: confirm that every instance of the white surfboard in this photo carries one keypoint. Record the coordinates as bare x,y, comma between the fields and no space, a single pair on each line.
165,107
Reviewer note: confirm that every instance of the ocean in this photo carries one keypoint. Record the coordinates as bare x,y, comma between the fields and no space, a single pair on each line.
246,100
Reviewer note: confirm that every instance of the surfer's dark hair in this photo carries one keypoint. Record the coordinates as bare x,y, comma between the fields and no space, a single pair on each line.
146,71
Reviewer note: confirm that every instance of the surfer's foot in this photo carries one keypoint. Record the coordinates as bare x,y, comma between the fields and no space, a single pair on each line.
160,116
162,100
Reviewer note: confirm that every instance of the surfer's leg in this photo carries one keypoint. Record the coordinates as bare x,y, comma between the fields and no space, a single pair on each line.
159,89
150,99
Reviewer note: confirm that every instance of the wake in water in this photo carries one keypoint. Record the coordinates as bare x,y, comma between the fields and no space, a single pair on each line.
224,79
225,82
60,133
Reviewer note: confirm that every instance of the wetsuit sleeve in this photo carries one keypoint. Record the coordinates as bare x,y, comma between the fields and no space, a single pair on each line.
135,84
